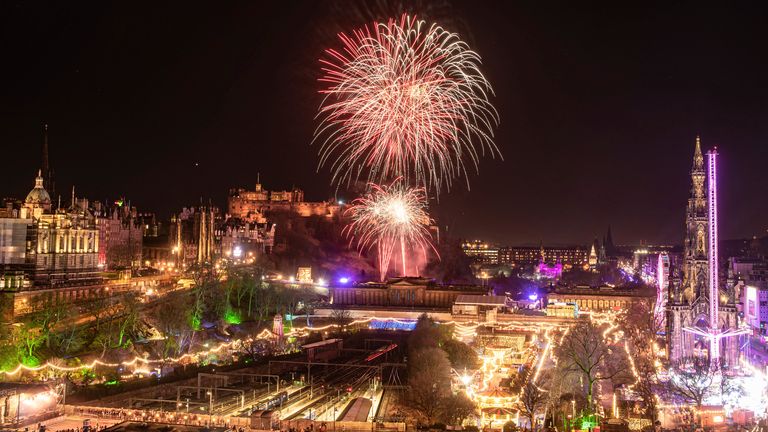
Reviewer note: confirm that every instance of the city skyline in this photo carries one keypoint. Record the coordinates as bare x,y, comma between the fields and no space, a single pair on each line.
210,124
384,215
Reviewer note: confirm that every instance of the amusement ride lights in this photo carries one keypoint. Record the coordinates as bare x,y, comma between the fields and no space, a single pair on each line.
714,334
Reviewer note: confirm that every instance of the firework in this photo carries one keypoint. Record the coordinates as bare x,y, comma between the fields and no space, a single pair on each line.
388,217
404,100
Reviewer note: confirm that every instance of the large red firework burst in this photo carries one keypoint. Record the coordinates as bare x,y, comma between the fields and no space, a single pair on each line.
404,100
389,217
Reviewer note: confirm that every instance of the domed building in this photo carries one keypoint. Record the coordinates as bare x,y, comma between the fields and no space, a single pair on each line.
38,201
62,245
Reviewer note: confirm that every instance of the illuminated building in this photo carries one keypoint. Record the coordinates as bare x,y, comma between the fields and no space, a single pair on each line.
699,314
48,252
595,299
120,235
192,235
255,205
481,252
64,243
246,239
644,261
150,227
742,271
562,310
593,259
662,289
482,308
304,274
755,303
522,256
549,271
401,292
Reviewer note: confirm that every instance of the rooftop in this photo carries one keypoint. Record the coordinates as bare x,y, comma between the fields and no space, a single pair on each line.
482,300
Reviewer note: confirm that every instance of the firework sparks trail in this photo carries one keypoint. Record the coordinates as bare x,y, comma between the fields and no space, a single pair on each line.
391,216
404,100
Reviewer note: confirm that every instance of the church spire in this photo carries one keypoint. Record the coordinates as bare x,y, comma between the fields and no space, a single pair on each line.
45,166
46,171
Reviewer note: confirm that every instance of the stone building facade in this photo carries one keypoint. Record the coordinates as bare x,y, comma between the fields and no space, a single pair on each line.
191,237
401,292
255,205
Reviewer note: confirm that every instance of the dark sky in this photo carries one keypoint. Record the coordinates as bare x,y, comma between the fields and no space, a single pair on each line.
165,102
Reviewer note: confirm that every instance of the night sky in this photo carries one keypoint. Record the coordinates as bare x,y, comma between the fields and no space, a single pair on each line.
599,105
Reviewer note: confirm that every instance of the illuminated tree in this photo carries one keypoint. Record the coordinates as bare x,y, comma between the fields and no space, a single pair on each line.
693,380
175,319
640,325
532,398
640,328
129,320
584,352
28,340
48,312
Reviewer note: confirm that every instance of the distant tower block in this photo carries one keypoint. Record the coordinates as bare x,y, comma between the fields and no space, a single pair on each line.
277,326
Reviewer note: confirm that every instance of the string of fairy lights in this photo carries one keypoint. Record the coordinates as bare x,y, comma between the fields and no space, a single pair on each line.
461,330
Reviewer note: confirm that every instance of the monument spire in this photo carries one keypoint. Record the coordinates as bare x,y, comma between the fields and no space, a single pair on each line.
698,158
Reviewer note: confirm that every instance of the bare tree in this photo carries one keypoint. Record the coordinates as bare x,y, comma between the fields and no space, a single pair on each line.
175,319
584,352
429,380
693,380
48,313
341,318
456,408
533,395
640,327
532,399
